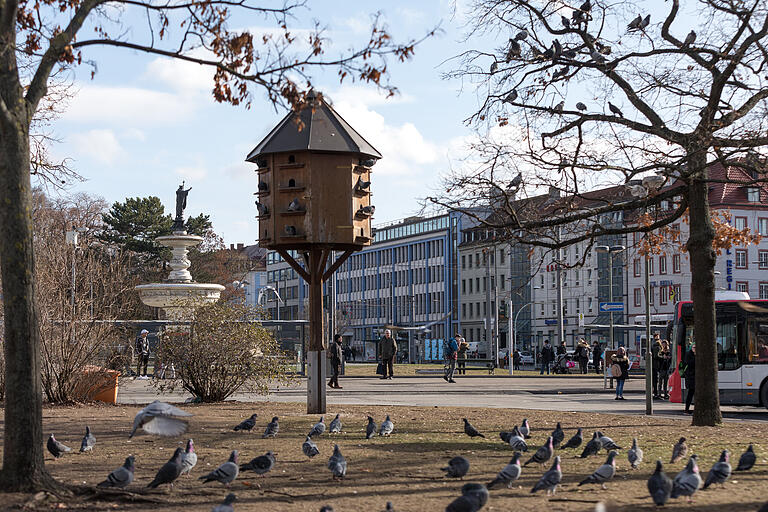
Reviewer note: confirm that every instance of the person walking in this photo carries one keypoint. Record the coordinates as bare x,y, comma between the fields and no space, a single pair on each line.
582,354
451,355
547,356
597,354
689,363
517,359
656,361
142,351
666,362
462,354
621,360
386,351
337,356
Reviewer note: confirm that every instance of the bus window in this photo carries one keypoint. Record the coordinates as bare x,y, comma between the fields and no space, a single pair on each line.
758,341
728,347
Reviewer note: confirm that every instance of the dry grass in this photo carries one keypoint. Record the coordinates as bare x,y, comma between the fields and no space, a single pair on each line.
403,468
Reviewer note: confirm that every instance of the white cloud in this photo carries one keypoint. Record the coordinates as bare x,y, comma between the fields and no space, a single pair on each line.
101,146
185,77
366,96
127,106
191,173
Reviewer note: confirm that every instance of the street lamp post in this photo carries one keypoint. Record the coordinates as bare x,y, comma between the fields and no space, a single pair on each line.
513,328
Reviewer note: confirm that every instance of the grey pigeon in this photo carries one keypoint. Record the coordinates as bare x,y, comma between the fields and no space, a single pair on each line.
470,430
747,459
607,442
294,206
565,22
509,474
326,508
597,56
226,505
494,66
581,106
551,479
370,429
557,436
457,467
263,209
614,109
635,23
246,424
659,485
523,34
290,230
273,427
226,473
260,465
506,436
309,448
389,507
337,463
473,498
263,186
335,426
575,441
122,476
317,429
646,21
586,6
56,448
169,471
161,419
604,472
513,51
189,459
525,429
386,427
516,441
89,440
690,38
679,451
361,185
543,454
720,471
559,107
511,97
367,162
635,454
688,481
593,447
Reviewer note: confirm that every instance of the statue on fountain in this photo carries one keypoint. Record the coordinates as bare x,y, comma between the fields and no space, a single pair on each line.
181,204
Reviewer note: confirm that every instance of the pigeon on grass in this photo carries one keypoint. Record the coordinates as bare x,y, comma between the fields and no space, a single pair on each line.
89,440
260,465
543,454
635,454
56,448
226,473
525,429
335,426
607,442
387,427
575,441
603,473
189,459
370,429
122,476
551,479
226,505
593,447
720,471
679,451
509,474
659,485
470,430
309,448
161,419
168,472
688,481
246,424
317,429
516,441
747,459
273,427
457,467
473,497
337,464
557,436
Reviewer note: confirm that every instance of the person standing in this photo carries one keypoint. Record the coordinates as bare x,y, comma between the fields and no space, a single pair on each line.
547,356
142,351
561,350
451,355
666,361
387,350
337,355
517,359
582,354
621,360
690,377
597,354
656,361
462,354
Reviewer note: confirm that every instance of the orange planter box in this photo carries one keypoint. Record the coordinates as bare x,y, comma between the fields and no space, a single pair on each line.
98,383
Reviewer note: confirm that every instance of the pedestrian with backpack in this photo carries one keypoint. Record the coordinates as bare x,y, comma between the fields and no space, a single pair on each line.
142,351
620,371
451,354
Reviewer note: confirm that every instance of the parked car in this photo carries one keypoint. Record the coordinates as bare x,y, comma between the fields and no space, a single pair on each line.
526,358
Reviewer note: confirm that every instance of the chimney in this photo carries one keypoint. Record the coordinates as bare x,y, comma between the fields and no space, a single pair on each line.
240,247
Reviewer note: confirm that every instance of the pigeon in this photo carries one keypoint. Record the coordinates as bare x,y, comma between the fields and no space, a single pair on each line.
370,429
511,97
246,424
122,476
89,440
571,54
525,429
169,471
646,21
566,22
747,460
335,426
551,479
516,441
263,210
593,447
607,442
575,441
473,498
326,508
337,463
720,471
635,23
294,206
635,454
361,184
386,427
457,467
189,459
260,465
226,505
263,187
272,428
494,66
557,50
557,436
368,210
679,451
659,485
309,448
317,429
513,51
56,448
543,454
290,230
597,56
226,473
688,481
523,34
581,106
389,507
509,474
560,72
614,109
470,430
506,436
161,419
367,162
586,6
690,38
604,472
261,163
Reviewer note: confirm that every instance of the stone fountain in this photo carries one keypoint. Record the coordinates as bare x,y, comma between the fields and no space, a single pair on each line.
179,288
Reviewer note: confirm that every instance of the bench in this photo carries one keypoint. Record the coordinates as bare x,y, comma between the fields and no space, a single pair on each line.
477,364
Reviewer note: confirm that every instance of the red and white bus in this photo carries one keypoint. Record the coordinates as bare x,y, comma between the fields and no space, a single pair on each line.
742,348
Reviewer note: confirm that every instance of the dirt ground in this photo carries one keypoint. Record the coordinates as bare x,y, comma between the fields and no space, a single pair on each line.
403,468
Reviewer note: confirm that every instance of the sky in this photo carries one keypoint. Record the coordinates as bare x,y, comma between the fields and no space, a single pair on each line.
143,123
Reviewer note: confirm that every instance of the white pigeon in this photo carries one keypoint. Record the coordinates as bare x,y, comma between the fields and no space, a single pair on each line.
189,459
161,419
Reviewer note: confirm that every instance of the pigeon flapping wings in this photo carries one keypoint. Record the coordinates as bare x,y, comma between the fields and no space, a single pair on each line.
161,419
226,473
122,476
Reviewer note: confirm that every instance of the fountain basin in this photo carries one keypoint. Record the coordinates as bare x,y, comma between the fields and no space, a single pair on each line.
172,295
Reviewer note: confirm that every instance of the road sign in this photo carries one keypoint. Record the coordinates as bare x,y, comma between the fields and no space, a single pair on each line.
606,307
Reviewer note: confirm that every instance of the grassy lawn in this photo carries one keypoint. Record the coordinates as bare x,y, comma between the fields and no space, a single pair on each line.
403,468
369,370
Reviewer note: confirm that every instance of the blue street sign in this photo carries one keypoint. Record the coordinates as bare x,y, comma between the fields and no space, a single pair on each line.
606,307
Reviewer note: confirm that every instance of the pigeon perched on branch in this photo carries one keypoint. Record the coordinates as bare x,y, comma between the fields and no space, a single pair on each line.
634,454
56,448
470,430
514,50
226,505
161,419
337,463
688,481
189,459
226,473
614,109
317,429
523,34
309,448
551,479
457,467
635,23
511,97
581,106
604,473
170,471
747,459
509,474
575,441
720,471
247,424
89,440
690,38
122,476
273,427
260,465
659,485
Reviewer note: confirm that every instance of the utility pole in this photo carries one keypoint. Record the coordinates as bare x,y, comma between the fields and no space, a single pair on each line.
488,327
560,320
648,357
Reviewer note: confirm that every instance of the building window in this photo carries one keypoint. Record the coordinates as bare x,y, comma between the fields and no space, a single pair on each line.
753,194
470,286
636,267
663,295
740,223
589,276
502,282
501,256
590,304
578,306
676,293
463,286
542,310
638,296
464,310
741,258
762,260
764,290
742,286
676,263
650,266
464,261
662,264
762,226
651,296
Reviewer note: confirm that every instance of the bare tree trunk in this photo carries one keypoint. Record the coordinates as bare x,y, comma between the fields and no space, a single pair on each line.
702,233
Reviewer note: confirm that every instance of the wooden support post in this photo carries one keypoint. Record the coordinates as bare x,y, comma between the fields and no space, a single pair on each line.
316,396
